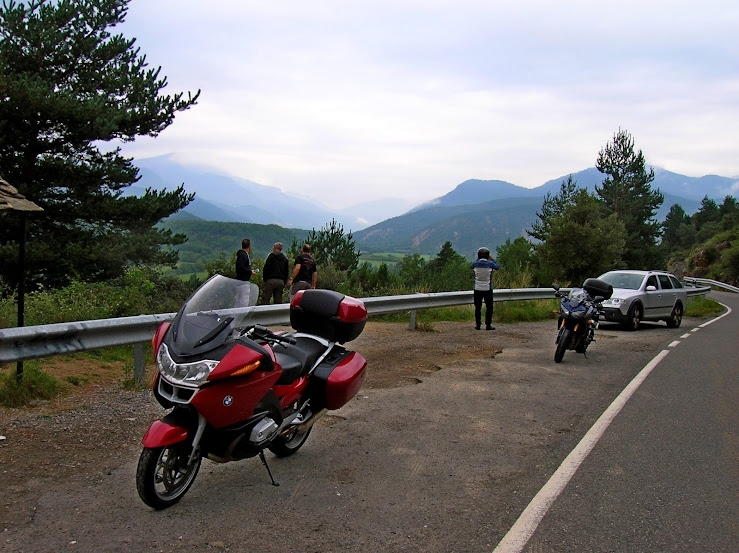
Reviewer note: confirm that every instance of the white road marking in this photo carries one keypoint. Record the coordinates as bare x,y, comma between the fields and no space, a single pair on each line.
520,533
728,311
686,335
673,344
522,530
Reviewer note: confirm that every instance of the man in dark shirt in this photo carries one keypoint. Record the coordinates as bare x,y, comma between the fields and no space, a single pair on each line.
243,261
304,274
244,296
275,275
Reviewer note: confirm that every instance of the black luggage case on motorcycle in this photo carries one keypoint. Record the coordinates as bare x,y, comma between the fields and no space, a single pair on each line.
596,287
328,314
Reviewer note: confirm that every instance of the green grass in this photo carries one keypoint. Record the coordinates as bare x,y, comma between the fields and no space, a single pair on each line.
36,384
703,307
504,312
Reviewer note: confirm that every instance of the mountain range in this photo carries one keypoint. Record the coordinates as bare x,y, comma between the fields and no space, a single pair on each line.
224,198
474,213
487,212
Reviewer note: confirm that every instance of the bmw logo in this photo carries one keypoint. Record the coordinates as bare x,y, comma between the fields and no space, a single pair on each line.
228,400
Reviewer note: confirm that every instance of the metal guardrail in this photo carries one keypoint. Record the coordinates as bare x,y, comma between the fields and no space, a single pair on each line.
32,342
713,283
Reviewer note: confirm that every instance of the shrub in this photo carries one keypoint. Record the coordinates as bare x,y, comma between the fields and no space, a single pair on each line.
36,384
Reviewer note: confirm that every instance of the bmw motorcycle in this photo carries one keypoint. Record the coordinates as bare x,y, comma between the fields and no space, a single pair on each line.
234,389
579,312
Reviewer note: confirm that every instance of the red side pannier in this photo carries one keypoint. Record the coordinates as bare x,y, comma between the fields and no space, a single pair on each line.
337,379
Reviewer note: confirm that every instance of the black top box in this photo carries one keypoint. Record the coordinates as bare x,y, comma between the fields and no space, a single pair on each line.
329,314
596,287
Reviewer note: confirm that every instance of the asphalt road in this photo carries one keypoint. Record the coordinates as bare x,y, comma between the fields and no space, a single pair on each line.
665,474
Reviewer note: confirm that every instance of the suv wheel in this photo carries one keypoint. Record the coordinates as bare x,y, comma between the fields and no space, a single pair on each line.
633,320
676,317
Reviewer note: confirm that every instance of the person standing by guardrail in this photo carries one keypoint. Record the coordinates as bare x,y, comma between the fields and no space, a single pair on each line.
244,272
276,272
483,267
305,274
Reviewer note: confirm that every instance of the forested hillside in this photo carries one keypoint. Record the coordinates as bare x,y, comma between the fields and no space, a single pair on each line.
209,240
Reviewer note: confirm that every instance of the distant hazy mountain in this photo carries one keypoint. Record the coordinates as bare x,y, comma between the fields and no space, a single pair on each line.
223,198
487,212
474,213
670,184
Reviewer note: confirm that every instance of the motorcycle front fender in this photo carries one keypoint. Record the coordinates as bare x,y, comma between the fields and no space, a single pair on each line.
162,434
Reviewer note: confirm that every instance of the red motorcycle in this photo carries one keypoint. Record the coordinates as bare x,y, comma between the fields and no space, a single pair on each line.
235,389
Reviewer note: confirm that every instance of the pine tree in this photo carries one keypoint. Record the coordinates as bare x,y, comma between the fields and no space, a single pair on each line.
552,208
626,192
674,228
581,243
330,245
67,87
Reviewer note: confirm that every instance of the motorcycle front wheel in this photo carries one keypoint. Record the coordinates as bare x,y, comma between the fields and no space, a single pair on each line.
564,341
164,474
287,444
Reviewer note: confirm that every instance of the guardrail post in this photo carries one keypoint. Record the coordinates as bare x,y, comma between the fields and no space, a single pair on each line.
412,324
139,365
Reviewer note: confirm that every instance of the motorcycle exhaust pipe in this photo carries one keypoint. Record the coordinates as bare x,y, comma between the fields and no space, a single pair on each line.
303,427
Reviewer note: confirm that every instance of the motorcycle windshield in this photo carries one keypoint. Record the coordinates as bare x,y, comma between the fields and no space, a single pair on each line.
213,313
577,297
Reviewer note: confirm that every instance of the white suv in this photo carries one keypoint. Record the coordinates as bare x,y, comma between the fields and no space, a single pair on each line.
644,296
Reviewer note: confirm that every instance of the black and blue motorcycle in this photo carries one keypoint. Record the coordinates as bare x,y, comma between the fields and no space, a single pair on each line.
579,311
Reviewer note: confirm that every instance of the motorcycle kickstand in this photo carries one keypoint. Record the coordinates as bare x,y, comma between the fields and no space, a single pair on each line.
264,462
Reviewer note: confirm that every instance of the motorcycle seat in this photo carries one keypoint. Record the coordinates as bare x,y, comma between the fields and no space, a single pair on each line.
297,359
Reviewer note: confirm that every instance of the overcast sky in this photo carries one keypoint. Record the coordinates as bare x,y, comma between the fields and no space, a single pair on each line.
350,101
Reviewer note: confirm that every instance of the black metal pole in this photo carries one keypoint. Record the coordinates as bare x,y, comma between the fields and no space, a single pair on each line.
21,288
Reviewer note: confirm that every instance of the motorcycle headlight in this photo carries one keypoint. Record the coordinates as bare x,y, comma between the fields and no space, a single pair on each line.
187,374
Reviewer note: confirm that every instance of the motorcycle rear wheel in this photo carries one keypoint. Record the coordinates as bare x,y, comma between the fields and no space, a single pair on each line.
564,341
164,475
286,445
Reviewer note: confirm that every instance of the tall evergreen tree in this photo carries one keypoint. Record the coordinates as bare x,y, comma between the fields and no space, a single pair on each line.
673,228
707,213
626,192
68,86
330,245
552,208
582,243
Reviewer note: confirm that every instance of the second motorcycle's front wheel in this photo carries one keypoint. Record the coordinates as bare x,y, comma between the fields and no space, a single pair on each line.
564,341
165,473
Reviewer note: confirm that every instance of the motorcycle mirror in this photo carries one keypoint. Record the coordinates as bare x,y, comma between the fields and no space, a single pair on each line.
555,286
599,299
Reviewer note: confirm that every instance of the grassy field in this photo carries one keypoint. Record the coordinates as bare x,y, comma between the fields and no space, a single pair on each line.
388,258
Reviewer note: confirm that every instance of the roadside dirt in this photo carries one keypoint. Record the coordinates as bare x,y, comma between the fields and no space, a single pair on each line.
86,428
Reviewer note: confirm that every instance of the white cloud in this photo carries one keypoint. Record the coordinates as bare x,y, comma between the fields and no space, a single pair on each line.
354,100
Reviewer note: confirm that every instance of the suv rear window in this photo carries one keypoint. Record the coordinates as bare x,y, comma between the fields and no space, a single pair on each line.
628,281
664,281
